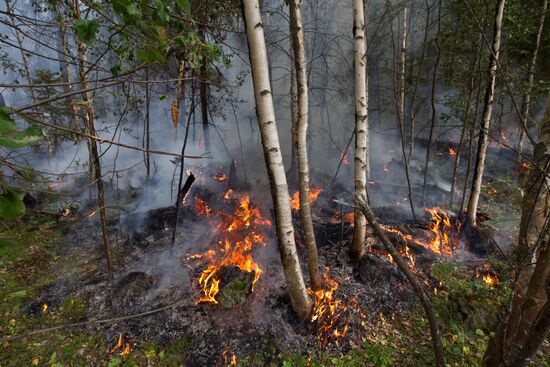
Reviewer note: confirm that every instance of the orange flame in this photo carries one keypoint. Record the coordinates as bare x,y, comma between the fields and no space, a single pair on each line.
239,233
327,311
490,280
44,307
441,228
525,165
314,193
452,152
348,218
117,345
125,351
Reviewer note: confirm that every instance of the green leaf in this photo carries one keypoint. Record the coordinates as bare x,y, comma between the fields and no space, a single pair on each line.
151,55
184,6
86,30
162,11
115,70
12,137
21,294
11,204
6,122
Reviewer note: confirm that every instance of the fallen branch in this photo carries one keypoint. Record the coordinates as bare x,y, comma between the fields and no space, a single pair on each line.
417,286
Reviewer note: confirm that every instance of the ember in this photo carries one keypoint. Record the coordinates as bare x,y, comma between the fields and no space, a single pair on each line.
201,207
228,194
220,177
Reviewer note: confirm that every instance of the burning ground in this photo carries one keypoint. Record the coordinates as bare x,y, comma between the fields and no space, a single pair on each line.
217,296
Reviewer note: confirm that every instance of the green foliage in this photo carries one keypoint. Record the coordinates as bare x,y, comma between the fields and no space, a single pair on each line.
86,30
12,137
184,6
380,355
11,203
73,309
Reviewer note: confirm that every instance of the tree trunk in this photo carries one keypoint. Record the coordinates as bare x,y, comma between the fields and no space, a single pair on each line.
203,91
466,116
361,125
300,132
301,303
486,117
432,102
92,145
526,102
527,320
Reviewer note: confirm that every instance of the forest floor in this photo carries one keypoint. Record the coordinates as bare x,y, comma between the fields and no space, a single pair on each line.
34,254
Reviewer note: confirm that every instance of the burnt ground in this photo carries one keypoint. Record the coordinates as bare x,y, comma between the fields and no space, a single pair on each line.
152,274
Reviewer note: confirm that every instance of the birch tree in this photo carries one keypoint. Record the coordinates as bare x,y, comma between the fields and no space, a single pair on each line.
301,303
360,165
300,141
483,141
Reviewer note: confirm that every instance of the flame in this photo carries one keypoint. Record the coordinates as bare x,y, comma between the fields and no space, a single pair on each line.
228,194
239,233
65,212
452,152
405,251
490,280
327,311
487,275
232,362
127,349
201,207
220,177
91,214
525,165
314,193
348,218
44,307
117,345
442,243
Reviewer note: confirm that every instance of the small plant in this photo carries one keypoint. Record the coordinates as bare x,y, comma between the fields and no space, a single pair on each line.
378,354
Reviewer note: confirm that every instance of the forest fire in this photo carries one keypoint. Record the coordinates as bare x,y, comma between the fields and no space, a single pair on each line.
452,152
314,193
238,232
44,308
328,311
348,218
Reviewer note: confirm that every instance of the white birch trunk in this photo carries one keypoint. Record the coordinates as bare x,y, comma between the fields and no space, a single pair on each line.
486,119
301,303
361,125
